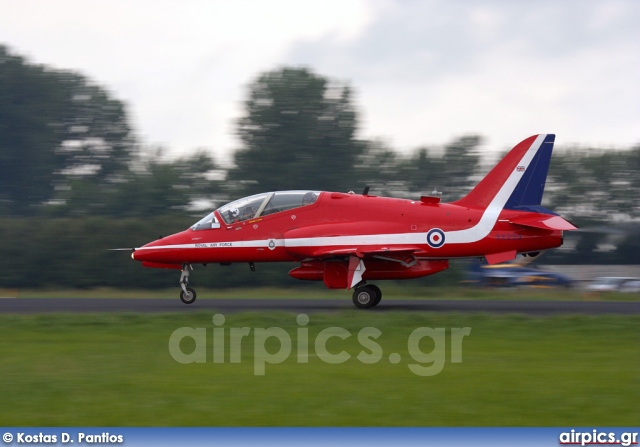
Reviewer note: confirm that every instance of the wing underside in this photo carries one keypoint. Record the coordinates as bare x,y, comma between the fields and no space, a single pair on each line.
349,266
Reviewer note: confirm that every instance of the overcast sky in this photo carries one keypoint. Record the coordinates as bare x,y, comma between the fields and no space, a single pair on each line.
423,71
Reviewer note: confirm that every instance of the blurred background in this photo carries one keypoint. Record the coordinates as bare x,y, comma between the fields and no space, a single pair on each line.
119,124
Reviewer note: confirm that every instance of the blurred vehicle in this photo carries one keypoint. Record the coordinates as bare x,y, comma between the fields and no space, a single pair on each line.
544,280
615,284
631,286
515,275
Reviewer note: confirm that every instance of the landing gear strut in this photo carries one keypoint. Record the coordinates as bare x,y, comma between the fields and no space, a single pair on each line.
187,295
367,296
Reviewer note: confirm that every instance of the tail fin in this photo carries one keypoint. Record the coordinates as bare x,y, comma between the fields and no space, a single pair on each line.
517,181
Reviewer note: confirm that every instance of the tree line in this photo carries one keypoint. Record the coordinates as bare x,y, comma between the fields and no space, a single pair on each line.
74,176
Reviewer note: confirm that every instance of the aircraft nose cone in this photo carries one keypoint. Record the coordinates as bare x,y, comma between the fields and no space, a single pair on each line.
143,253
164,250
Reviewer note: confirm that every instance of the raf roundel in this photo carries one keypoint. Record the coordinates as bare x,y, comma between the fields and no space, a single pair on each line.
435,238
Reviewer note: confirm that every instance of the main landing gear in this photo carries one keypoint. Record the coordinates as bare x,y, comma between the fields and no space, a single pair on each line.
367,296
187,295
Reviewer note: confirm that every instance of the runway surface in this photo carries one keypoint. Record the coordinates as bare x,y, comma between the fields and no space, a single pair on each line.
154,305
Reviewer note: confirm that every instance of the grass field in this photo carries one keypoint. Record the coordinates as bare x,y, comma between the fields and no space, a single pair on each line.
113,370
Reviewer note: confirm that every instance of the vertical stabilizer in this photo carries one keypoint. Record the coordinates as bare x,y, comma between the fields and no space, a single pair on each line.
517,181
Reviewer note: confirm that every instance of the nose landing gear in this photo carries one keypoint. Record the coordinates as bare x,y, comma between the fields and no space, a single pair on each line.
187,295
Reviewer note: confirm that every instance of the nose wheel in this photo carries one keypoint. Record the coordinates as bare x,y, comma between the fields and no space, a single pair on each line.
187,295
367,296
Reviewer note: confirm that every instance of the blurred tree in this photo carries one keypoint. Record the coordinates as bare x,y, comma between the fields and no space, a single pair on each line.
153,186
459,164
156,189
298,132
379,167
164,187
595,184
451,174
54,125
628,251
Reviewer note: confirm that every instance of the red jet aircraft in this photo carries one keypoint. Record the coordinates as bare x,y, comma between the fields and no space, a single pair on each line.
346,240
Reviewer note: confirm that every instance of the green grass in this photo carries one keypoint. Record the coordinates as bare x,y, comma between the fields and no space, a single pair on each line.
113,370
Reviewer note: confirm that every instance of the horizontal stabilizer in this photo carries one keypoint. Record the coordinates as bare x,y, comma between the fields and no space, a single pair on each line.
545,222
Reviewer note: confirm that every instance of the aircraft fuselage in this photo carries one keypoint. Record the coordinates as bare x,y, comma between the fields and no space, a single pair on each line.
338,222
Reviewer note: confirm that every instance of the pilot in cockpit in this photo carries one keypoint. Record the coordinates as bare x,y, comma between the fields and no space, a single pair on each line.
233,214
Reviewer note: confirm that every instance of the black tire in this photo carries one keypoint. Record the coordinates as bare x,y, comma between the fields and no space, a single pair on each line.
378,294
364,297
189,297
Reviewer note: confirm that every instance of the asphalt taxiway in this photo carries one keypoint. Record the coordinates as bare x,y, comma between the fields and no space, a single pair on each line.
154,305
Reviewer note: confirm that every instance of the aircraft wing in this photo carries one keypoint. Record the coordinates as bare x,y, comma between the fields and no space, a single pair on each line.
403,255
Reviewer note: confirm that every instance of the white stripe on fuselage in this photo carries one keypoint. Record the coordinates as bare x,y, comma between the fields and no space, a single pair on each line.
262,243
468,235
490,215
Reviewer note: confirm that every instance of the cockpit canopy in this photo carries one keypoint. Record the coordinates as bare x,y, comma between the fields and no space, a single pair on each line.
258,205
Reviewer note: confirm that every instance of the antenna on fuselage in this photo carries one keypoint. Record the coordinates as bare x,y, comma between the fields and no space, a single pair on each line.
366,191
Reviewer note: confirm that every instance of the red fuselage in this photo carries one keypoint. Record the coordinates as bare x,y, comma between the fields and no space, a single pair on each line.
341,224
